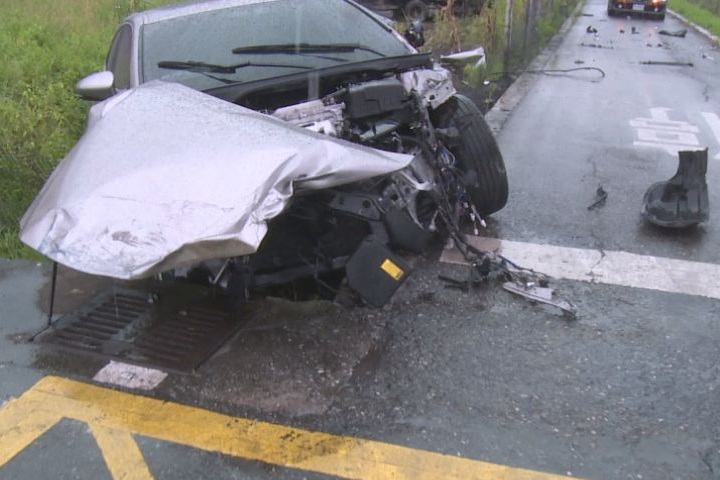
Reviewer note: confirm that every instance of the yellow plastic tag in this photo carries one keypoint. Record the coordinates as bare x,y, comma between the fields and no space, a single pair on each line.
391,269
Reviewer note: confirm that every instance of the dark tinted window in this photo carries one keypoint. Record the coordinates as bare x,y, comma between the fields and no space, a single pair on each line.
210,37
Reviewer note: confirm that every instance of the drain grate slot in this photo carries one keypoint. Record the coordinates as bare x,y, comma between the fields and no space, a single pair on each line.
178,330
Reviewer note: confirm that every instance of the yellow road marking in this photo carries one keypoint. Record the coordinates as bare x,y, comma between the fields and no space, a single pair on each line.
109,411
122,455
19,428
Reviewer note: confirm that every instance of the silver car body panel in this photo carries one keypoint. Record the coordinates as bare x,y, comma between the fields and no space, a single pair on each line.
166,176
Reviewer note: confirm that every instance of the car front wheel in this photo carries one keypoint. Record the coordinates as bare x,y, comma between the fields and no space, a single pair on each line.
476,152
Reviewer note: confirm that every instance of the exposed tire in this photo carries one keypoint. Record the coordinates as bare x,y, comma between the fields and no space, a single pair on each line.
416,10
477,153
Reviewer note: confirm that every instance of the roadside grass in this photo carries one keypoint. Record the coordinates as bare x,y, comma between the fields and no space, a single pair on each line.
47,45
534,22
697,14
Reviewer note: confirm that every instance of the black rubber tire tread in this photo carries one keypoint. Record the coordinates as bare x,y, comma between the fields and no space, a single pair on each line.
476,149
418,6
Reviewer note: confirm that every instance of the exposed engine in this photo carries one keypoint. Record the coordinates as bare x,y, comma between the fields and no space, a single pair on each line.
355,223
362,223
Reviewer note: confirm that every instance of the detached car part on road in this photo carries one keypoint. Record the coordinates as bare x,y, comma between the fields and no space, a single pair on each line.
251,143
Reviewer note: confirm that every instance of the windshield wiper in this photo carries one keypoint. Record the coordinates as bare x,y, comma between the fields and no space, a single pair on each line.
306,48
202,67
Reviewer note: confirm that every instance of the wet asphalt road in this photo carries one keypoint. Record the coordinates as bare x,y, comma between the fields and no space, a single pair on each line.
631,389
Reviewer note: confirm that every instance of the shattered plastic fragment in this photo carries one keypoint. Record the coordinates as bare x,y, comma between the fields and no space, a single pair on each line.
541,295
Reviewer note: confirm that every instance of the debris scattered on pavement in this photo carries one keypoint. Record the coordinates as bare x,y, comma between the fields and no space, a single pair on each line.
591,29
600,199
675,33
634,31
588,14
596,45
707,57
579,62
682,201
540,294
670,64
622,31
488,265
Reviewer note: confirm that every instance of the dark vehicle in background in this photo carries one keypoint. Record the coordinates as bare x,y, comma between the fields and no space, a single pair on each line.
650,8
253,143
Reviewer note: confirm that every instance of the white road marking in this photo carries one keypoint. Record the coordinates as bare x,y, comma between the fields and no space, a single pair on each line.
714,122
658,131
660,120
609,267
130,376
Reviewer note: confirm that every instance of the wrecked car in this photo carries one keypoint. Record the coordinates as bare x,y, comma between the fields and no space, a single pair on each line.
253,143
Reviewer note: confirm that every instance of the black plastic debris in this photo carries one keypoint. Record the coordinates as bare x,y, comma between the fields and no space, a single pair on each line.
591,29
596,45
675,33
668,64
375,272
634,30
682,201
600,199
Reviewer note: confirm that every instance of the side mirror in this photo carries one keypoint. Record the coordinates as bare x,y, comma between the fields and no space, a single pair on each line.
415,34
97,86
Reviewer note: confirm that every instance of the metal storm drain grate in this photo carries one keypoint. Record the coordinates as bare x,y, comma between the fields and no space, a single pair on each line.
174,330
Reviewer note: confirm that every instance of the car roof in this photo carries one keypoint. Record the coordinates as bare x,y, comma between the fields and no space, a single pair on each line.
186,8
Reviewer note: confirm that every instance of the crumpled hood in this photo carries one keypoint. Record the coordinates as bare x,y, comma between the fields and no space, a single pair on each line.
167,176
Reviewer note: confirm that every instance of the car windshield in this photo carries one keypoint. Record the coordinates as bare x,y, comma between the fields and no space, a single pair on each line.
315,26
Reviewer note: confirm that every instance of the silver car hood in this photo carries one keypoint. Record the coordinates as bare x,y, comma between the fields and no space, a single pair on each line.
166,176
